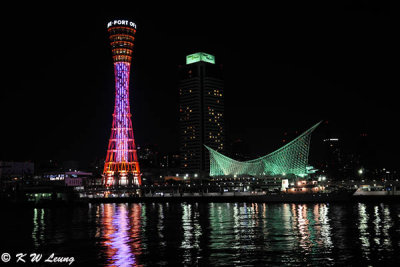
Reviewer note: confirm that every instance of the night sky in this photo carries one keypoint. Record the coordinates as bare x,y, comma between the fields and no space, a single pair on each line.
285,67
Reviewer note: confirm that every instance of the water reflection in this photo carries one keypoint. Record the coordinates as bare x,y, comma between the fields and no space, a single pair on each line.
120,236
326,231
302,226
210,234
243,233
241,230
136,220
374,227
191,233
387,224
38,227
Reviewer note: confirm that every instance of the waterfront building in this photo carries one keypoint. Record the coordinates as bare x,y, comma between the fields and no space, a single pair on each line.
121,166
70,178
16,169
201,112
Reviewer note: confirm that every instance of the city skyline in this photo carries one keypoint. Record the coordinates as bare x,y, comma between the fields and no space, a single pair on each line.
58,97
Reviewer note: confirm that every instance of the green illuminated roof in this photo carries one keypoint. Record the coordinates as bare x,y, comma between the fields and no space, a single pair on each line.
289,159
200,56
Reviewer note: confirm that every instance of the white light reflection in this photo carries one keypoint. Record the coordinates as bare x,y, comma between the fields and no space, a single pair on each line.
387,224
382,224
326,231
302,225
377,226
313,225
363,228
236,225
160,225
191,232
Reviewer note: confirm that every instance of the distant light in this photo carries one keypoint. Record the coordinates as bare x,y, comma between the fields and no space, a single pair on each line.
331,140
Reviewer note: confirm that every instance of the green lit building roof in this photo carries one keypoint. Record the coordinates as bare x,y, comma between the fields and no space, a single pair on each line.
200,56
292,158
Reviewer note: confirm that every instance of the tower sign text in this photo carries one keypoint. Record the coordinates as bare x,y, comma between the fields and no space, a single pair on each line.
122,23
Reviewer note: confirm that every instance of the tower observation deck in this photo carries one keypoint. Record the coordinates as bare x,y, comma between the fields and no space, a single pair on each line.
121,167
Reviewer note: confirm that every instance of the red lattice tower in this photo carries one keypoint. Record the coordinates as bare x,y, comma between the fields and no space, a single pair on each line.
121,166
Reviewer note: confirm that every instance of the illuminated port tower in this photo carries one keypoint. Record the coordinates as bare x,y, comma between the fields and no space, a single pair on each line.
121,167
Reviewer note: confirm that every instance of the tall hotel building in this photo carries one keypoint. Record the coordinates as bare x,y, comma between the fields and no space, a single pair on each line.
201,112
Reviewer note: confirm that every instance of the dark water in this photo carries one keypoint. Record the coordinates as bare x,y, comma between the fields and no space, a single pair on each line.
207,234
